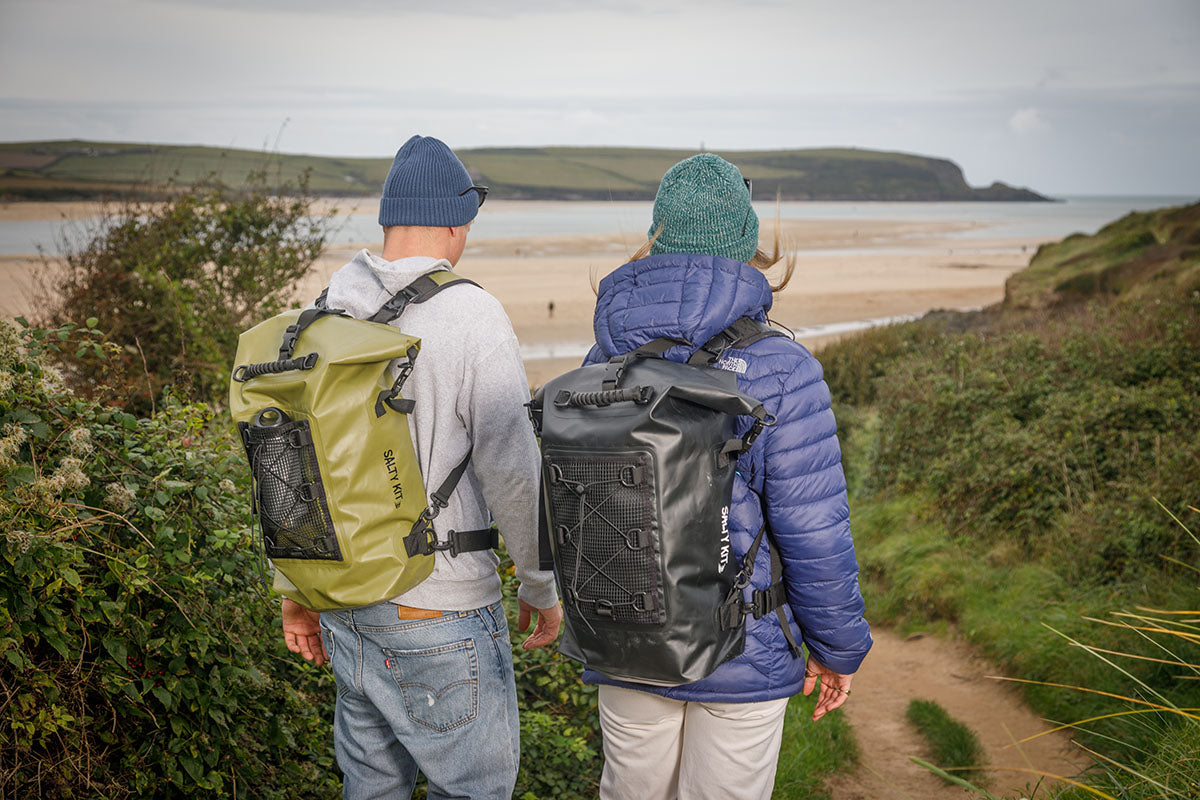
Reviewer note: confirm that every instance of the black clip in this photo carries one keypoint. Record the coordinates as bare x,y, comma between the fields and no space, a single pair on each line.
450,544
290,336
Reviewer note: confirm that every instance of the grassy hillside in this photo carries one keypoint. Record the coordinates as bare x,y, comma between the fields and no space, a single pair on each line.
1021,471
62,169
1134,254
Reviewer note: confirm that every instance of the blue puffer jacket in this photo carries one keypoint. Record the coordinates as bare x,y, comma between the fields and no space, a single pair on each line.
794,466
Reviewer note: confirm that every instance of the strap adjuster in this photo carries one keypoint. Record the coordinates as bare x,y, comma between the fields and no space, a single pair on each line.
291,335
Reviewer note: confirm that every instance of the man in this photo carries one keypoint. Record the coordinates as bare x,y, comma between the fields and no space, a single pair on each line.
425,681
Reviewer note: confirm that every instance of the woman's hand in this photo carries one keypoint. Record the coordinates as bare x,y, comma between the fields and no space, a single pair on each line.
835,687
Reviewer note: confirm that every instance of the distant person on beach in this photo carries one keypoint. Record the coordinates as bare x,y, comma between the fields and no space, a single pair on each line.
719,737
425,681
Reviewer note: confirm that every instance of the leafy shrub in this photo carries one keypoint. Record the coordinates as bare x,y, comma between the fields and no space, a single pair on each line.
559,758
560,737
138,655
1021,434
174,282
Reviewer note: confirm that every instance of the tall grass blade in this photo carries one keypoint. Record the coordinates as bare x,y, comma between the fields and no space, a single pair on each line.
1135,773
946,776
989,796
1155,706
1115,666
1172,516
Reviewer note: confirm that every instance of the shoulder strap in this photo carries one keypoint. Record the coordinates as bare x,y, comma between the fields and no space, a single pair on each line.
418,291
733,612
743,332
422,539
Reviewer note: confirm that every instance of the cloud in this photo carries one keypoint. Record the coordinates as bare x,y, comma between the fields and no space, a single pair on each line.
1027,121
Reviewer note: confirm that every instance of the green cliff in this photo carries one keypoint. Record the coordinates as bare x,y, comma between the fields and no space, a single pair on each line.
79,169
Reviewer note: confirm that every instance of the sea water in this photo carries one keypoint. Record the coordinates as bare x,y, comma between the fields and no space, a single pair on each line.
508,220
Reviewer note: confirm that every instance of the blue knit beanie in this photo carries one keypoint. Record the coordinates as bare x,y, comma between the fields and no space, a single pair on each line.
703,206
425,187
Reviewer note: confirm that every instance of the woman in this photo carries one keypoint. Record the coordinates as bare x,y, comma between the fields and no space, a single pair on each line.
719,737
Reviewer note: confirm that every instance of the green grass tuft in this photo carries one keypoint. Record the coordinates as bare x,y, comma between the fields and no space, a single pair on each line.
812,752
953,746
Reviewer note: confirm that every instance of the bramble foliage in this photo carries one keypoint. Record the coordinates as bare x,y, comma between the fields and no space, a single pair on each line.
173,283
560,737
138,655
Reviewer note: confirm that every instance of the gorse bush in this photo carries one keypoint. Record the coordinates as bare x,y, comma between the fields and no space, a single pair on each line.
139,657
173,283
1054,439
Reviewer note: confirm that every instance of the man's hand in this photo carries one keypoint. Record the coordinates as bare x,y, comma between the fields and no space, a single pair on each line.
835,687
546,630
302,632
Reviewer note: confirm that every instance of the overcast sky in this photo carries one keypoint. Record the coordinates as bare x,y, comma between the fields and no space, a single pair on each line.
1063,96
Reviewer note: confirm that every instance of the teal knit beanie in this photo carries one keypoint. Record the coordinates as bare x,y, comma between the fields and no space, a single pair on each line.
703,206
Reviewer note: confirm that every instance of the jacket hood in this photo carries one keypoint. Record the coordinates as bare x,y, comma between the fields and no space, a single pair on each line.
363,285
676,294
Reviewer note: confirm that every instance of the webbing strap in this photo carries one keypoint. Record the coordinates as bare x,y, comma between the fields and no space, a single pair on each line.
418,291
422,539
777,581
442,495
651,349
743,332
307,317
734,610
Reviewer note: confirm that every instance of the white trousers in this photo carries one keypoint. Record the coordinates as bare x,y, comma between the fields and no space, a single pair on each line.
661,749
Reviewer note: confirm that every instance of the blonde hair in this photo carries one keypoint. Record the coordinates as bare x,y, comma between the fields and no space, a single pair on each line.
761,260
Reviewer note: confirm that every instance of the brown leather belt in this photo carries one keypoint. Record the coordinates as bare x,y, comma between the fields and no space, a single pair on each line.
408,612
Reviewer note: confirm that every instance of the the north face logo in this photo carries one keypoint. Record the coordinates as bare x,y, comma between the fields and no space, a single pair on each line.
730,364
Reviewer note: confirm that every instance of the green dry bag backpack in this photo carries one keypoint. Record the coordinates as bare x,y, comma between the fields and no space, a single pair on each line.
338,491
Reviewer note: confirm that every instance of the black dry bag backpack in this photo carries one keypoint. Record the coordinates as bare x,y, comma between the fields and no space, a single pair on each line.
638,460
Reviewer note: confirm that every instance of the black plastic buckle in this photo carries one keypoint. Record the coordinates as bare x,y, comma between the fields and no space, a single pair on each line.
290,336
752,434
758,603
767,421
450,544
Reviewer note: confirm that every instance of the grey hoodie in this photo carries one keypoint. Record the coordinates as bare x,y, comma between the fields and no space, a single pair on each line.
470,388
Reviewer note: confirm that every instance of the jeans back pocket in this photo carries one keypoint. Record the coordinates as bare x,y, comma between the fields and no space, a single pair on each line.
440,684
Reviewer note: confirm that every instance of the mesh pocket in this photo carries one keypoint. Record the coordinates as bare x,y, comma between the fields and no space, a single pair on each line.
604,516
288,492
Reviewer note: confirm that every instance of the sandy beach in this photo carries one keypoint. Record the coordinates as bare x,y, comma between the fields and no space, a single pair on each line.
846,270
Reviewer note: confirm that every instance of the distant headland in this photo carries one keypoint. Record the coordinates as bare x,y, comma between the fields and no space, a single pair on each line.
75,169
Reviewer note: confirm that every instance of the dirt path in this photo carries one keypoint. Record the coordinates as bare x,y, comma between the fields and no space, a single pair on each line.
950,673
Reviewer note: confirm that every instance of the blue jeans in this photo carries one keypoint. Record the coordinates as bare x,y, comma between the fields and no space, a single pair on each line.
435,695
